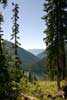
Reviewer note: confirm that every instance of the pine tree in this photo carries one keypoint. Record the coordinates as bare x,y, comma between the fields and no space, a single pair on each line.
4,2
4,74
56,33
17,63
30,77
15,30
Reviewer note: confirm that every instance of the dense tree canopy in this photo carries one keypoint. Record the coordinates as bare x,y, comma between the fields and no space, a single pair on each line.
56,33
4,73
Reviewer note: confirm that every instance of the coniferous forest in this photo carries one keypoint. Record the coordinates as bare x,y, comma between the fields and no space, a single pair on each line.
24,76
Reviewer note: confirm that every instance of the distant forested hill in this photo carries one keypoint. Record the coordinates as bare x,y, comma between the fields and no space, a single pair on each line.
26,57
37,64
42,55
39,67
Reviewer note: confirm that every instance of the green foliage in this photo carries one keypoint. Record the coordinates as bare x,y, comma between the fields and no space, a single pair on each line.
4,73
56,33
30,77
24,85
4,2
40,90
15,30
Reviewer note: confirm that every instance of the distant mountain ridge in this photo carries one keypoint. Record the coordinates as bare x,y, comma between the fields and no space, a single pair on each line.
35,51
40,53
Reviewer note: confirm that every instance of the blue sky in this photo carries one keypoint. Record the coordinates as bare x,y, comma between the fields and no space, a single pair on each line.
31,25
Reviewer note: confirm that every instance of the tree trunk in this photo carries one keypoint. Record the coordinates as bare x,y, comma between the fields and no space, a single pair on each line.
58,84
58,72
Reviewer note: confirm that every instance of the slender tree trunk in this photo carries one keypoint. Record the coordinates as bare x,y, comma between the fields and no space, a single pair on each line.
65,56
58,83
58,72
58,78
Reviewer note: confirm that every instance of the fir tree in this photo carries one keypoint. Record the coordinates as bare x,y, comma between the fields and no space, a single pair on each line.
4,2
56,33
30,77
4,74
17,63
15,30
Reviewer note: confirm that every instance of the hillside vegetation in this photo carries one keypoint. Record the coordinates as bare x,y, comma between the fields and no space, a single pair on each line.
39,67
29,60
38,90
26,57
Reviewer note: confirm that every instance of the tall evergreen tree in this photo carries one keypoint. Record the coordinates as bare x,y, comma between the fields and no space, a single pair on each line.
4,74
6,83
15,30
56,33
17,62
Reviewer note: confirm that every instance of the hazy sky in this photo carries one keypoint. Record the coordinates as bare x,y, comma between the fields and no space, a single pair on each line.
31,24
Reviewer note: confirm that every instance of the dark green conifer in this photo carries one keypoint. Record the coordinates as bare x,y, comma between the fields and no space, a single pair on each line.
4,2
15,30
4,74
56,33
17,63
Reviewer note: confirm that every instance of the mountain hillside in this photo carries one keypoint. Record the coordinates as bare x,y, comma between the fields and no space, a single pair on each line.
39,67
37,64
26,57
42,55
